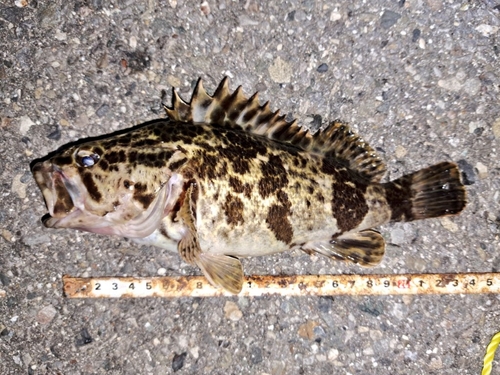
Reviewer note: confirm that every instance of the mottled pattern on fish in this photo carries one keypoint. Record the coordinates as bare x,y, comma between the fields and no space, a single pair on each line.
224,177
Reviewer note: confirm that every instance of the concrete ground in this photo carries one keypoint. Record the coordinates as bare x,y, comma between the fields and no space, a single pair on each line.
417,79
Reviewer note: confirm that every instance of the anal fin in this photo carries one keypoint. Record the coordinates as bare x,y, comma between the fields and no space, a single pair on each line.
365,248
222,270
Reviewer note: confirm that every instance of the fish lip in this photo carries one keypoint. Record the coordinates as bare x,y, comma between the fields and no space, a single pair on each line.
59,222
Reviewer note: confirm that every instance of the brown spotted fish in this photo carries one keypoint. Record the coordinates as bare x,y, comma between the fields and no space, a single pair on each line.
223,177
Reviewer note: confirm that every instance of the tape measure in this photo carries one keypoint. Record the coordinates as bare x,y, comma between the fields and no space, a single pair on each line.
302,285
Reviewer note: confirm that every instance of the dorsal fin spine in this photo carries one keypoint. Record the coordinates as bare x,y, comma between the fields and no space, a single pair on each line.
222,90
224,108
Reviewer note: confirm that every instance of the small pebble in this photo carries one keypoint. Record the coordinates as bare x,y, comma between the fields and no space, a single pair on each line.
103,109
487,30
389,19
178,361
306,330
232,311
244,20
33,239
84,338
285,307
25,123
195,352
21,3
472,86
435,5
59,35
372,308
468,175
300,16
280,71
495,127
398,236
400,152
26,357
132,42
333,354
161,271
7,235
322,68
18,187
448,224
335,16
368,351
474,125
4,279
482,170
319,331
49,15
315,123
436,363
55,133
415,36
320,357
414,262
363,329
205,8
5,122
103,61
325,304
450,84
375,334
173,81
255,355
46,314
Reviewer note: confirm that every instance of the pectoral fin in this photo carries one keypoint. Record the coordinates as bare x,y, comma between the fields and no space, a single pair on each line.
365,248
189,246
221,270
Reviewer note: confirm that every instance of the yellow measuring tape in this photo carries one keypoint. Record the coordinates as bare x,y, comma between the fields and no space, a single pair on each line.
303,285
296,285
490,353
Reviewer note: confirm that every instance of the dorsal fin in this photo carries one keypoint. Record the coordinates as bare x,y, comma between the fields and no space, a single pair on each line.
224,108
341,143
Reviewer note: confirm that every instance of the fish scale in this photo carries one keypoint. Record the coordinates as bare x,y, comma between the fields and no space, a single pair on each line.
223,177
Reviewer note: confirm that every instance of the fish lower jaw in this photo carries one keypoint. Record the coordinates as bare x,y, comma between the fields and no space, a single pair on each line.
65,221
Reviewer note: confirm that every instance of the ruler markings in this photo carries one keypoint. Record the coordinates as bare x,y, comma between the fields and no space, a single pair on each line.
301,285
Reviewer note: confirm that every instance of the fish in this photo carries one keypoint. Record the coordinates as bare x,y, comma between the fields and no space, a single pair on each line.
223,177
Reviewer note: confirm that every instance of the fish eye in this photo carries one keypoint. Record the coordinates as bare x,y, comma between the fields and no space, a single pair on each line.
88,161
86,158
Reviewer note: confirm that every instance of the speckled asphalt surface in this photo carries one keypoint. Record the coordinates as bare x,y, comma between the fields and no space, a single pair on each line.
418,79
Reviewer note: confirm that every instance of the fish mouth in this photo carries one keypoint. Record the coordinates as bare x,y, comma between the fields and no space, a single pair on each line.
67,203
58,193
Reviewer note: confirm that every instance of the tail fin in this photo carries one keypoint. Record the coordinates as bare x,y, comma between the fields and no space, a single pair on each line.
431,192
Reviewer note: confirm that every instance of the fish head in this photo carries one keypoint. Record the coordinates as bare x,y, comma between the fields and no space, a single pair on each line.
106,187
